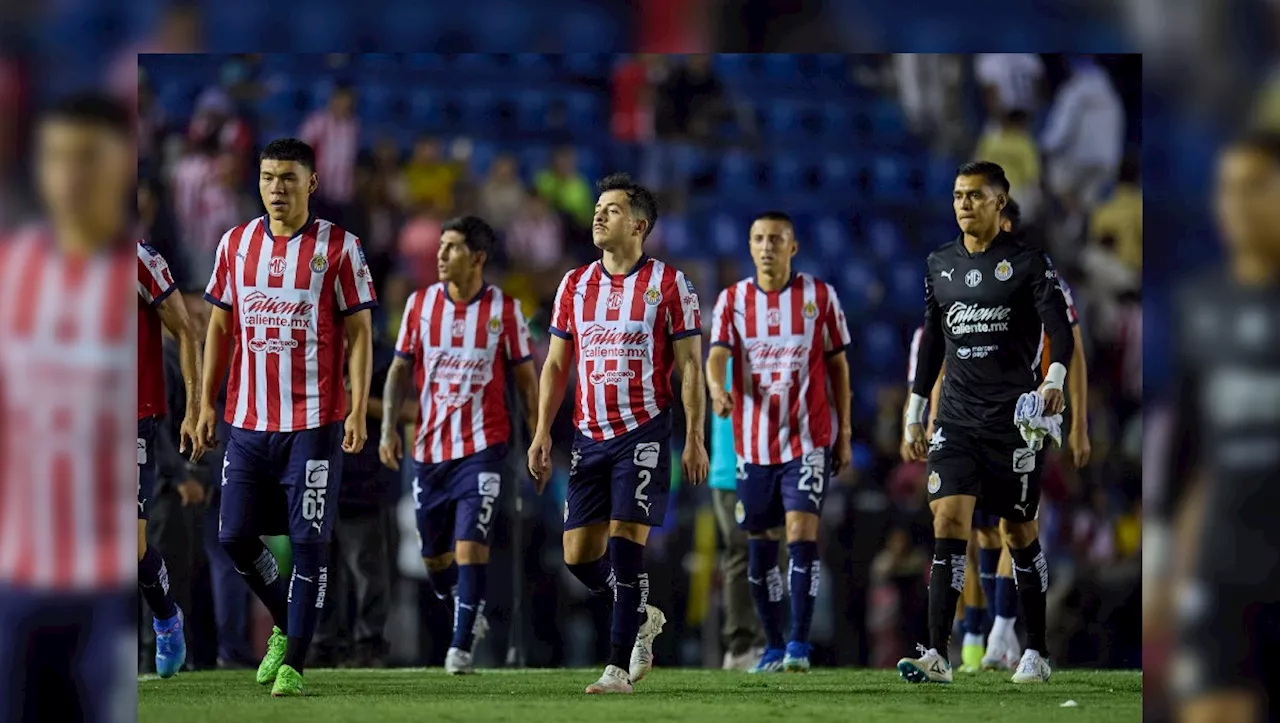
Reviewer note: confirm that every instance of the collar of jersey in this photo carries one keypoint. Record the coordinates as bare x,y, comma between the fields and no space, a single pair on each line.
266,221
1000,238
790,279
483,288
644,258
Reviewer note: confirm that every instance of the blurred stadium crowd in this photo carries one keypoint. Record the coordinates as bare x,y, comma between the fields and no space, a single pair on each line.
861,150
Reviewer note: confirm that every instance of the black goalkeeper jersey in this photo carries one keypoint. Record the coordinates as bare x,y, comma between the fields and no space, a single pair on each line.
1227,356
986,314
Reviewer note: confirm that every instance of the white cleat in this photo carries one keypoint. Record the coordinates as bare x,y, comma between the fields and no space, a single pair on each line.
642,653
478,630
930,667
742,661
1032,668
614,680
1003,652
458,662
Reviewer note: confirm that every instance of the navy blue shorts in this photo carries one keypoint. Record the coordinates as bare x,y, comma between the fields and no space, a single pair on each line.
146,464
281,483
769,491
458,499
627,478
69,656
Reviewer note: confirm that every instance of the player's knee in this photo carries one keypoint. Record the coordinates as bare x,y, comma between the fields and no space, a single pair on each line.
989,538
802,527
1021,534
472,553
950,520
774,534
633,531
438,563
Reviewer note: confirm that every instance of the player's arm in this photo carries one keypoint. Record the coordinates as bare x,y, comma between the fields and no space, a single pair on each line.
359,332
935,396
217,343
836,341
173,314
929,364
525,377
394,391
1078,390
688,353
1051,305
551,388
518,348
718,357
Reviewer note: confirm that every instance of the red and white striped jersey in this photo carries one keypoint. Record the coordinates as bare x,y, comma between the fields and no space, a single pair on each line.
780,342
624,329
155,283
287,297
336,142
67,400
461,352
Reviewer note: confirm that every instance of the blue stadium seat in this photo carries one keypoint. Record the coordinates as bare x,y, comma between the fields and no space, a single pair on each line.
785,173
478,111
782,118
533,159
425,109
586,112
890,176
837,121
884,238
888,124
531,65
733,68
375,104
837,175
831,237
782,68
676,238
859,289
531,110
379,63
424,61
727,234
587,65
589,163
904,281
737,173
482,155
464,64
688,160
880,347
940,178
866,395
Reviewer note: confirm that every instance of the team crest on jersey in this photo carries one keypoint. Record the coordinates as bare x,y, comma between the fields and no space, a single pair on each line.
615,301
810,310
1004,270
277,266
774,317
319,263
973,278
652,296
458,327
495,325
739,512
935,483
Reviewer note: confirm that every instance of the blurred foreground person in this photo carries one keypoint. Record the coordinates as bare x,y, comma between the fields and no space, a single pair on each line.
68,566
1222,494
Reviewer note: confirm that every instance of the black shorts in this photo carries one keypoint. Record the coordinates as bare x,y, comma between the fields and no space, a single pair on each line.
993,465
1227,639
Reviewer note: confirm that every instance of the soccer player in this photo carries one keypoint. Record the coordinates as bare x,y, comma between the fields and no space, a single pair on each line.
68,399
158,305
1225,455
786,334
629,319
988,300
291,293
459,338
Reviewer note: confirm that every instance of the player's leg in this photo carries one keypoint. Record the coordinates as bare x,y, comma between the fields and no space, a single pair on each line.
741,634
953,486
244,513
803,486
434,514
764,520
153,576
585,540
312,477
1003,648
476,486
1015,490
1218,671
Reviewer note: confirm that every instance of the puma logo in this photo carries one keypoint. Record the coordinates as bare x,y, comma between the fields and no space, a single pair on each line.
946,274
817,501
1021,509
644,506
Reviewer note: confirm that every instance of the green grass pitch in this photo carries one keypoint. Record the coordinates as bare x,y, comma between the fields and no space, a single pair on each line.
667,694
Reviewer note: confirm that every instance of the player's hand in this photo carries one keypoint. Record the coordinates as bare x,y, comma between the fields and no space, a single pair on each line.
1078,443
189,439
207,427
695,463
721,403
540,461
192,493
1055,402
354,434
390,449
843,456
913,449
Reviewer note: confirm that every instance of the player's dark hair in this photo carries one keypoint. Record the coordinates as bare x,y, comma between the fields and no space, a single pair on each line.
777,216
289,149
643,203
1013,213
1260,140
90,108
477,234
992,173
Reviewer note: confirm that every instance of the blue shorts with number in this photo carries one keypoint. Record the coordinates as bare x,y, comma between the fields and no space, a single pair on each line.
146,464
769,491
627,478
281,483
458,499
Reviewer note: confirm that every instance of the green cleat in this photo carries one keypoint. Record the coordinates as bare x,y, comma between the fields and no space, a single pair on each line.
274,658
288,682
971,657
